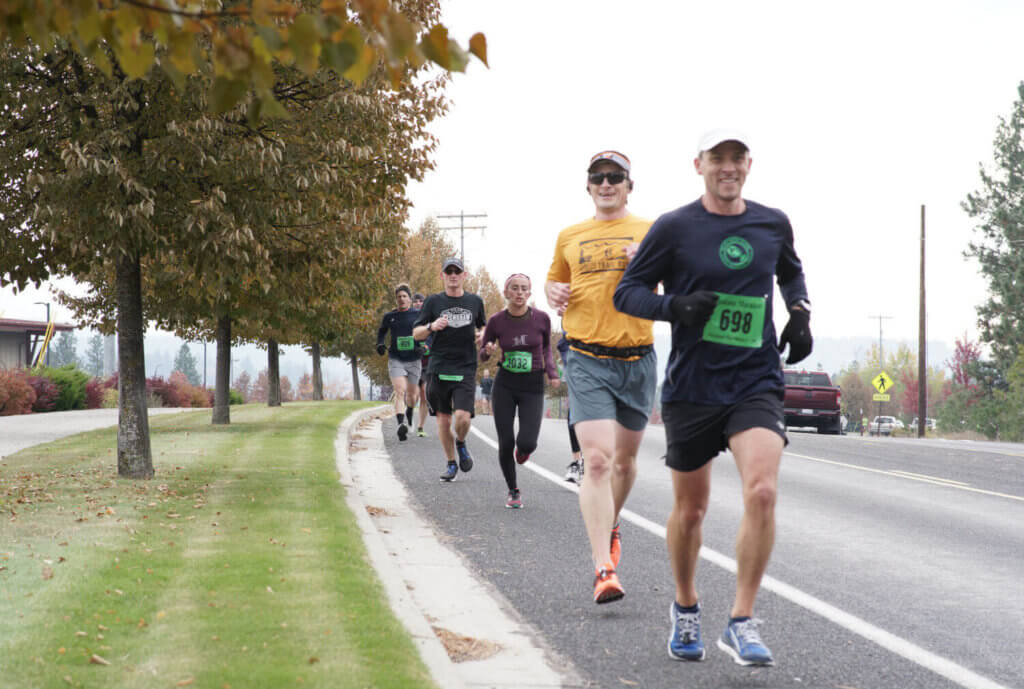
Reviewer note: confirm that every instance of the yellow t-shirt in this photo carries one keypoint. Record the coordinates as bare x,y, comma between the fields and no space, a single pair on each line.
591,257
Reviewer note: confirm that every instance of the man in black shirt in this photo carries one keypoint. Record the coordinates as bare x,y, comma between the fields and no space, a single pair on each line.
403,357
454,317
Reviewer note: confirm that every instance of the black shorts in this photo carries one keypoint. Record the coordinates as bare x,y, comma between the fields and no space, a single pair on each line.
695,433
445,396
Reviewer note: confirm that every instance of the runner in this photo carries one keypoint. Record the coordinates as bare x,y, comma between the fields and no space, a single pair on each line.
724,387
417,303
486,388
453,316
403,356
524,335
573,472
611,367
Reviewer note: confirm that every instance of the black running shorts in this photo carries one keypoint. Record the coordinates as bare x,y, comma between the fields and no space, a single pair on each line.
445,396
696,433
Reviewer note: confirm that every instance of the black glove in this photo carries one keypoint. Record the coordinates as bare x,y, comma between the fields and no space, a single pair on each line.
381,349
693,309
797,334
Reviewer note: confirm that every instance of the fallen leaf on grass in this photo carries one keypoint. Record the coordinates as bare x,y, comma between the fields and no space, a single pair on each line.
98,660
313,659
185,682
81,634
47,572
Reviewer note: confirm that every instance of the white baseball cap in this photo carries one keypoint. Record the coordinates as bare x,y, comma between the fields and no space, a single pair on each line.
710,139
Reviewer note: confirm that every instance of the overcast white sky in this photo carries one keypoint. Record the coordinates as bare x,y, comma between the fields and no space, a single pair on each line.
857,114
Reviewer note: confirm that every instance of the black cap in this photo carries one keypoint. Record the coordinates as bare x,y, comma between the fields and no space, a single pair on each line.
453,261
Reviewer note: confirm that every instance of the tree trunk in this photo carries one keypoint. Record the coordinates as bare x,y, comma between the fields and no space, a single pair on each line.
356,395
134,455
222,390
318,375
273,375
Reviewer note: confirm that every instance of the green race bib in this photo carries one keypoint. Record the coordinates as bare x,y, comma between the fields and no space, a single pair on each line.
405,343
518,362
449,378
736,321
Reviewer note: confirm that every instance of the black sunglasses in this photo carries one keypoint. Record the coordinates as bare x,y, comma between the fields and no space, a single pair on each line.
452,271
612,177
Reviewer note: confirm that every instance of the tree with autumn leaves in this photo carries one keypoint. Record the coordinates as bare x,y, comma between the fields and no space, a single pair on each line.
122,176
419,266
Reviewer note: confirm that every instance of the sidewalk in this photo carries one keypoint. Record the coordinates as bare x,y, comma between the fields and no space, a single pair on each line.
25,430
430,588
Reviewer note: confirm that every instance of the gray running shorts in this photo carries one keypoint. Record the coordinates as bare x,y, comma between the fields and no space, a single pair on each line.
611,388
405,369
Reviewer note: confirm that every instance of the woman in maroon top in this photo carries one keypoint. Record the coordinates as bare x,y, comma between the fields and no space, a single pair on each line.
524,336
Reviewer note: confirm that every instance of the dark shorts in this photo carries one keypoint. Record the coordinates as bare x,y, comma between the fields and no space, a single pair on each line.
695,433
446,396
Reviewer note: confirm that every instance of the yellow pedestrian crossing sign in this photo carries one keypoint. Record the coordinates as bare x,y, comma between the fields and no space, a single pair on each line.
882,382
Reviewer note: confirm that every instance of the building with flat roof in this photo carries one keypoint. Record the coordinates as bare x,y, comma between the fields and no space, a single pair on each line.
20,340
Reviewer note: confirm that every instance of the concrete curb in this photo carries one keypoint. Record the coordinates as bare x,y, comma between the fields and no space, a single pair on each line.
432,651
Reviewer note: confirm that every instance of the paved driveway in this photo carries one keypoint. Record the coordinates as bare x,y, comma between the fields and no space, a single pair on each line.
26,430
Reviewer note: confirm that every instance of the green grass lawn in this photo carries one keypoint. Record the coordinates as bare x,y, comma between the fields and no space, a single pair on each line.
238,565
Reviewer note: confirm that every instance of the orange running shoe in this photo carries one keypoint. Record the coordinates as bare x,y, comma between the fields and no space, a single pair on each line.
616,546
606,585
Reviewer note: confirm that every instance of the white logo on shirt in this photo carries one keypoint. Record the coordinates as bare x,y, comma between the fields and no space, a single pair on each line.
519,340
458,317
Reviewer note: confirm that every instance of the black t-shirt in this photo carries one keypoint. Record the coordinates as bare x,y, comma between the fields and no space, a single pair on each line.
453,351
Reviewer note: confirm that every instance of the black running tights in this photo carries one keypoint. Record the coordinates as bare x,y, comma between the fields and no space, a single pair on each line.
504,404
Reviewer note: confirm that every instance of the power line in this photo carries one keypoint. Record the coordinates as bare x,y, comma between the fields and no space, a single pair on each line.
462,228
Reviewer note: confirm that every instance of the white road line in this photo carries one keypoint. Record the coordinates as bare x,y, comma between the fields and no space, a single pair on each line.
910,477
912,652
930,478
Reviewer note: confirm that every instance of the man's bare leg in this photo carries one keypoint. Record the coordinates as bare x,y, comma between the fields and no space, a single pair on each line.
758,453
683,531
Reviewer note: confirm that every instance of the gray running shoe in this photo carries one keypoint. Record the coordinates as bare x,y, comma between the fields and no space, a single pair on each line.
574,473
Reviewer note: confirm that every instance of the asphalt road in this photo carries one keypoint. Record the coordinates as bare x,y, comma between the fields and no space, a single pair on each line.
898,562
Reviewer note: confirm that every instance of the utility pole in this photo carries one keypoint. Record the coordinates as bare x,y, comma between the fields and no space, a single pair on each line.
922,350
881,359
462,229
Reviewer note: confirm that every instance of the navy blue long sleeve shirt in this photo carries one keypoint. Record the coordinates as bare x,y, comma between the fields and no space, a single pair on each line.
690,249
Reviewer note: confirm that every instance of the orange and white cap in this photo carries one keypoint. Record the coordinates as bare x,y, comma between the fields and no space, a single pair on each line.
619,159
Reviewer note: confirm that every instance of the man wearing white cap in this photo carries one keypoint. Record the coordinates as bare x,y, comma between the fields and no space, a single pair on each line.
717,258
611,367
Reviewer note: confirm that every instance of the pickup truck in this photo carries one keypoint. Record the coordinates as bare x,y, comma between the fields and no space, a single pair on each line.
812,400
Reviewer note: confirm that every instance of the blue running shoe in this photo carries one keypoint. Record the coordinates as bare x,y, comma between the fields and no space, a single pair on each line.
449,473
742,641
465,459
684,642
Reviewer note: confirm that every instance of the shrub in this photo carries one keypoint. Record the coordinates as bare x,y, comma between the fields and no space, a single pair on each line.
96,391
110,398
16,395
71,382
46,393
164,391
235,397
